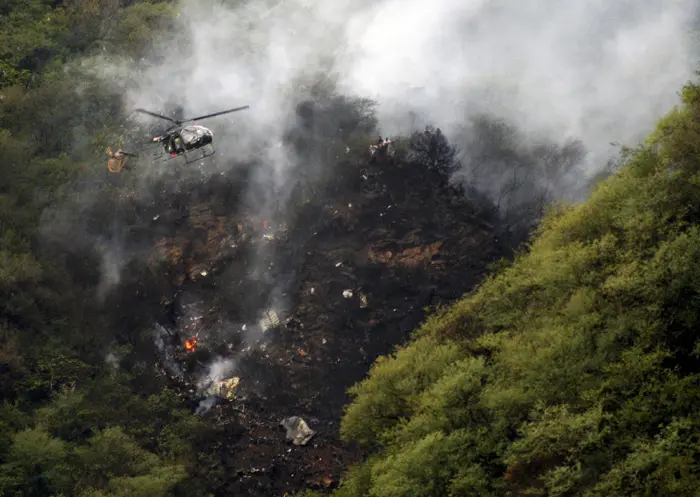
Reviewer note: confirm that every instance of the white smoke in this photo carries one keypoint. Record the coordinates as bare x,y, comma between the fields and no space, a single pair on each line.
163,341
218,370
112,261
598,71
601,71
205,405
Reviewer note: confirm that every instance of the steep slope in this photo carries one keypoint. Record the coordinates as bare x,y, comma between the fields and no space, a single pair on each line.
571,372
296,306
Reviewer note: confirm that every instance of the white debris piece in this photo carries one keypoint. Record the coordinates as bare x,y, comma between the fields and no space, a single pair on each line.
269,319
297,430
223,388
363,301
347,293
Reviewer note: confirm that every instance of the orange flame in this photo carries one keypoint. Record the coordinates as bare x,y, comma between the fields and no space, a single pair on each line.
190,344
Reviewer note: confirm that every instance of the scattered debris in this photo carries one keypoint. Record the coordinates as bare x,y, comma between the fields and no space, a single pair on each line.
363,301
386,237
223,388
382,146
269,320
298,432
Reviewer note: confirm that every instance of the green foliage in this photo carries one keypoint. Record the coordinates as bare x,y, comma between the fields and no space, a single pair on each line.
401,382
27,35
35,465
36,35
109,464
70,425
112,455
140,25
572,371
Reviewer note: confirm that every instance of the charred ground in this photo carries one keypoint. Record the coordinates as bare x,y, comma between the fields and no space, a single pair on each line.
342,273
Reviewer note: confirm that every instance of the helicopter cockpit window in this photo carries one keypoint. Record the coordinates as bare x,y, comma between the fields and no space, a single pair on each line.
190,136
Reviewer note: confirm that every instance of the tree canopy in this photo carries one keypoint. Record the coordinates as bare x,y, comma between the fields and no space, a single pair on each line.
71,424
571,371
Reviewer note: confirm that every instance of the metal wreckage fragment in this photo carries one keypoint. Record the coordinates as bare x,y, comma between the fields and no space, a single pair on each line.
298,432
223,388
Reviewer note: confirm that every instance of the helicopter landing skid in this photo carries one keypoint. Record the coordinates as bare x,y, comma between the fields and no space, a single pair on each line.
190,156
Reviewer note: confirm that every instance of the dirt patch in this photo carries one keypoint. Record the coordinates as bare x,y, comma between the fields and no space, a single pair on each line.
410,257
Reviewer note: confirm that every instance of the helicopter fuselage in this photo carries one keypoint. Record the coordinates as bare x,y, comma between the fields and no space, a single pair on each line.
181,143
186,139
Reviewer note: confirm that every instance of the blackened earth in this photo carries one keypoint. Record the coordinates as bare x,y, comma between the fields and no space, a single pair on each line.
348,268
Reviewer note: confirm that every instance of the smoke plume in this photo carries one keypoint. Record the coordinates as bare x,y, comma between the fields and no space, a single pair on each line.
514,85
598,72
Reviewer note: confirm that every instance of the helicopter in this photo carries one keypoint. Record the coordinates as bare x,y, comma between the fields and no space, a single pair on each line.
191,142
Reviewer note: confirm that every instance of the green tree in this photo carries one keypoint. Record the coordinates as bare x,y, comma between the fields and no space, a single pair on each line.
572,371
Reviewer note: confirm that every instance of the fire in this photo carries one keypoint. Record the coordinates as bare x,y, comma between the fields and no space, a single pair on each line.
190,344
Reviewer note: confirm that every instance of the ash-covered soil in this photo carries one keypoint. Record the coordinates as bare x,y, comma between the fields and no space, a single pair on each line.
296,306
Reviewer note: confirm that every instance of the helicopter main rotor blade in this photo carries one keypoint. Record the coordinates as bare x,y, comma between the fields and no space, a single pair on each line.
144,111
216,114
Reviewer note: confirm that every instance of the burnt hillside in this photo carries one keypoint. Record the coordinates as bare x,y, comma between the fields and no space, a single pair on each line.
295,307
